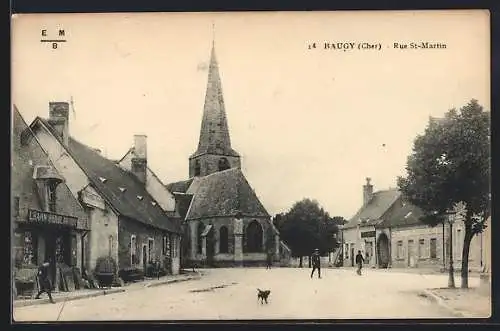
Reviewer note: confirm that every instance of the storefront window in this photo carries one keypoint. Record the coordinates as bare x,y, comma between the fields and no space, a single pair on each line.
59,250
29,251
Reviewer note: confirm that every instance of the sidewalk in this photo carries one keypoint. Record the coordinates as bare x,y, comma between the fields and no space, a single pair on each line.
89,293
471,302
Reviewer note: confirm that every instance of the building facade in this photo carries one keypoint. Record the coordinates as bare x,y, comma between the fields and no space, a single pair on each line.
123,199
388,231
225,224
48,222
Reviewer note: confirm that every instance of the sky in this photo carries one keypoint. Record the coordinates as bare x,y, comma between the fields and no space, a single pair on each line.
308,123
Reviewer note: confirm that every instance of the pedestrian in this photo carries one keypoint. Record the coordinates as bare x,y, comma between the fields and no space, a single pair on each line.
316,263
269,261
359,262
44,282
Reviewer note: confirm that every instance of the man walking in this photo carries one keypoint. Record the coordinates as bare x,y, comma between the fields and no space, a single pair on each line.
269,261
316,264
44,281
359,262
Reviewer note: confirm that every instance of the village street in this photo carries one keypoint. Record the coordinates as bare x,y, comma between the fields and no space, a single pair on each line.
231,294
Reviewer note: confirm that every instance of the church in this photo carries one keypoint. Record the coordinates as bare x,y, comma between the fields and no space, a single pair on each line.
225,224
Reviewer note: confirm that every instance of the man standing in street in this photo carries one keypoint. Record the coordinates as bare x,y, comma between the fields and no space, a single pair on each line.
359,262
44,281
269,261
316,264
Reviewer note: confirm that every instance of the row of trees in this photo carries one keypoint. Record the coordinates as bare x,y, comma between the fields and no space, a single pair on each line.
307,226
450,165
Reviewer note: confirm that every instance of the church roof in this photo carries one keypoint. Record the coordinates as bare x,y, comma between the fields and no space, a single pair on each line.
120,188
214,132
180,186
224,193
375,209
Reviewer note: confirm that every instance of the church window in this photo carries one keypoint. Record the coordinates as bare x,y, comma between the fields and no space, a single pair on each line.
197,168
254,237
223,240
223,164
201,227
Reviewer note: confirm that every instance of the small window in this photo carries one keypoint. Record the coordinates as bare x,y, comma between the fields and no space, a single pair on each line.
166,245
102,179
197,168
223,164
140,197
16,206
133,250
151,243
51,196
399,252
433,248
122,189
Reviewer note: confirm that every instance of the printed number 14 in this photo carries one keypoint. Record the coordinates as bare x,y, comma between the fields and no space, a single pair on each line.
311,46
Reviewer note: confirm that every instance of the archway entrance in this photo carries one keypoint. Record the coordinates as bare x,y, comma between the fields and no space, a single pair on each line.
383,251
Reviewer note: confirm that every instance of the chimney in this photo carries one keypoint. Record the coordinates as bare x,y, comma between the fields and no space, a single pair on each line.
140,158
59,119
367,191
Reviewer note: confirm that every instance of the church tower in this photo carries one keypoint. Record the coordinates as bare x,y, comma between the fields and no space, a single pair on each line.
214,151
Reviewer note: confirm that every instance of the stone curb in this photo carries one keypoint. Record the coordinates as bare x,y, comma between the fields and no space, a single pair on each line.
441,302
23,303
171,281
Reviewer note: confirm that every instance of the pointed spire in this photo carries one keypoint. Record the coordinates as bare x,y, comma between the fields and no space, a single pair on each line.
214,133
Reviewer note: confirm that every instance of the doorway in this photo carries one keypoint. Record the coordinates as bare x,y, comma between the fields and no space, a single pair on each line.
144,257
411,254
210,242
383,251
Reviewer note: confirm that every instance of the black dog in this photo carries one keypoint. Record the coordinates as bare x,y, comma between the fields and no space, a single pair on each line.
263,295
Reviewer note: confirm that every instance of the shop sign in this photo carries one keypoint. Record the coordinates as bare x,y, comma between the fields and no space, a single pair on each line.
41,217
368,234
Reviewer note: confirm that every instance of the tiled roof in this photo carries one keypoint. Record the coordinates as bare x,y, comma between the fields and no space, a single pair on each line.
380,202
180,186
109,180
407,215
224,193
134,202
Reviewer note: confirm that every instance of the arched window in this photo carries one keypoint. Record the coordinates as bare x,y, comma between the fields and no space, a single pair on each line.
254,237
201,227
223,240
197,168
223,164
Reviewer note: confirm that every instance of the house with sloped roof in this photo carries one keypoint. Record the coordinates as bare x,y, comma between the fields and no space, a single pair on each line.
132,216
388,231
359,233
225,223
48,222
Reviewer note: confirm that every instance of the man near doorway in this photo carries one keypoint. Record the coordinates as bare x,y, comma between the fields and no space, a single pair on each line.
316,263
359,262
44,282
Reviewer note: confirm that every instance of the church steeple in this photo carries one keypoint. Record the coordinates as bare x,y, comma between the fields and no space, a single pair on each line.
214,151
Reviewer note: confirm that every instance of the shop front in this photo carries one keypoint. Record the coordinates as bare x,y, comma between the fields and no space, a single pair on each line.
54,238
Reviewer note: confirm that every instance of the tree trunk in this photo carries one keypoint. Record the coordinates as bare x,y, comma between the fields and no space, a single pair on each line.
309,258
300,261
465,254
